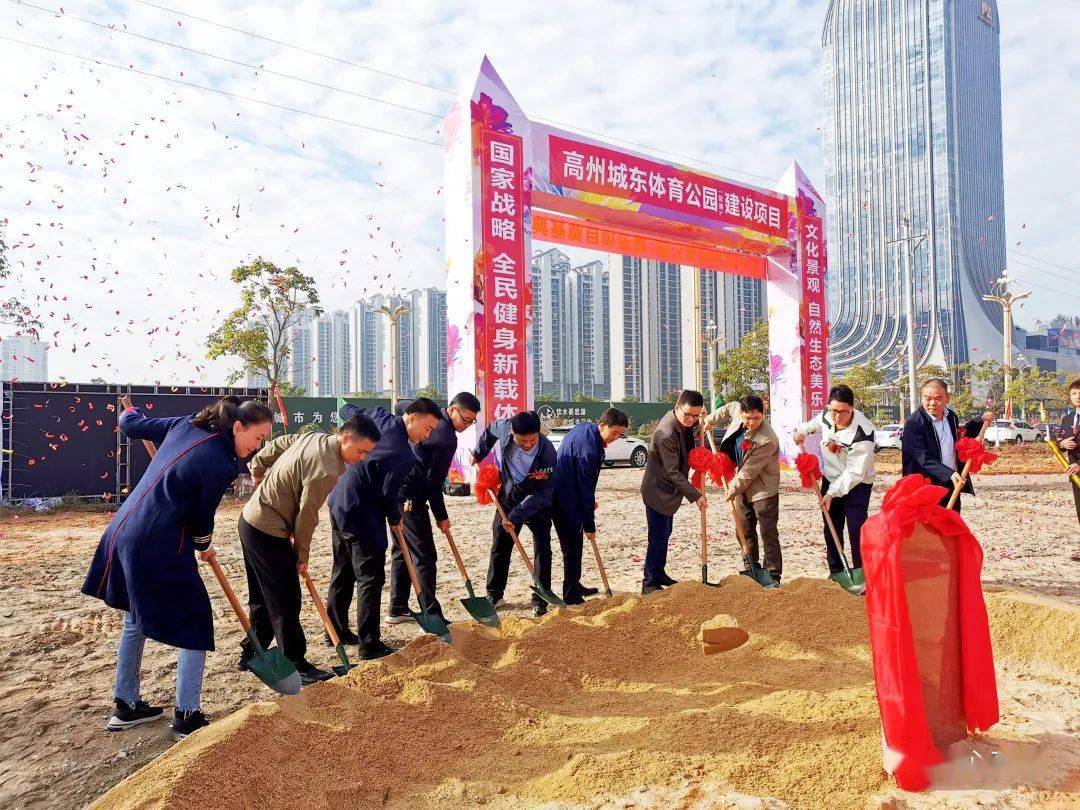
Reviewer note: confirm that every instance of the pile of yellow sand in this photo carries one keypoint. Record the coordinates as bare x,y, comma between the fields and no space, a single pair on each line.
614,701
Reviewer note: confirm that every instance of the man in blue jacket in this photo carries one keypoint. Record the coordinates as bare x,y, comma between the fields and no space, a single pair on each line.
581,453
928,446
424,487
527,461
364,500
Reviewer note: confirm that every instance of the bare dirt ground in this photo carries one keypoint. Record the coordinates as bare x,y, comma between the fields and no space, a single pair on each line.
58,647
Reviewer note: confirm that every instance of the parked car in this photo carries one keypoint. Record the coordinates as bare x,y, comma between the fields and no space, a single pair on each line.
628,449
1014,431
888,436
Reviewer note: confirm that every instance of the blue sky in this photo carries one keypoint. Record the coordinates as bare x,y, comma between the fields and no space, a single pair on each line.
173,186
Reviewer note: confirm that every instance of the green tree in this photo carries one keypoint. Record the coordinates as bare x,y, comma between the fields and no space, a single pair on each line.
631,398
545,398
431,392
14,312
671,396
744,369
581,396
363,395
272,301
865,381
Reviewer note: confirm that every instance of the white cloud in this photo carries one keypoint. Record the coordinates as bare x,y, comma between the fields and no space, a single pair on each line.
152,204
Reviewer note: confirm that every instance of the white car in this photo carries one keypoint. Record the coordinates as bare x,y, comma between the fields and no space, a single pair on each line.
627,450
888,436
1014,431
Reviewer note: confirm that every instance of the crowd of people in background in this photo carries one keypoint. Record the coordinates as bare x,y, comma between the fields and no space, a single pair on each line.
382,470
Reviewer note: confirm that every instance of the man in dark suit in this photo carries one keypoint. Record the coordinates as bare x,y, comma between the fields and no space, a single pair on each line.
527,462
424,487
1069,441
666,483
928,446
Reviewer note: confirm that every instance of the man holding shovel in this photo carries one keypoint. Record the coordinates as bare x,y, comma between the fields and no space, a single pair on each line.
847,450
752,444
424,487
666,482
293,475
366,498
527,461
928,446
1069,442
581,453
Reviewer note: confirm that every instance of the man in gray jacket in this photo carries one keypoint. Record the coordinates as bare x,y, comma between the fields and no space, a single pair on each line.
751,443
666,483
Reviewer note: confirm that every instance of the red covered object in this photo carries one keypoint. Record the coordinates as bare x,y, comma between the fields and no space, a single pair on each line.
809,469
975,451
488,482
929,634
700,461
722,469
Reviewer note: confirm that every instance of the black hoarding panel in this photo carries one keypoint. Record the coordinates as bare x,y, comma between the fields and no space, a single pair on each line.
63,441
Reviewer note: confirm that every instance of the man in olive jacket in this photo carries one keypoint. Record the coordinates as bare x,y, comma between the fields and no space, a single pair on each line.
666,483
750,442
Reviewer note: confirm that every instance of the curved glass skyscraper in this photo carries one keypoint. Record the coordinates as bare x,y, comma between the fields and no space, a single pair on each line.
913,147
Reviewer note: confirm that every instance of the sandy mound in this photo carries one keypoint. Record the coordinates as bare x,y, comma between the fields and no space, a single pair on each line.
614,702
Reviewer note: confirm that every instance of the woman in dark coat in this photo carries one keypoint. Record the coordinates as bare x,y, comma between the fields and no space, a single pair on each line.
145,563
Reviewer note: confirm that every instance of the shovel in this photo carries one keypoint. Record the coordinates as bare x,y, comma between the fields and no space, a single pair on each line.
269,666
479,607
600,564
537,587
850,579
705,530
346,665
753,570
429,620
964,474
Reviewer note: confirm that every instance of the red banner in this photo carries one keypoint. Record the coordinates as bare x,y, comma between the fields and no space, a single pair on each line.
814,321
587,167
502,359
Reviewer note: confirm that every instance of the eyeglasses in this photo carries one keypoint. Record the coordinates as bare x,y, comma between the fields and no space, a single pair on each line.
465,419
840,411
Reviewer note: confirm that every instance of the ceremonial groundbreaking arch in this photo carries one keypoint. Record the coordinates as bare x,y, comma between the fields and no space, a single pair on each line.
509,180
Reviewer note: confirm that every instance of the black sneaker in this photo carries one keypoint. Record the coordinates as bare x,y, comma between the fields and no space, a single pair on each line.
376,650
346,636
496,600
185,723
589,591
126,715
574,599
666,581
309,673
243,663
539,610
648,587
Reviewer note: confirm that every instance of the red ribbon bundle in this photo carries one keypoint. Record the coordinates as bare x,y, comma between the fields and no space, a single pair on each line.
488,482
975,451
722,469
700,462
809,469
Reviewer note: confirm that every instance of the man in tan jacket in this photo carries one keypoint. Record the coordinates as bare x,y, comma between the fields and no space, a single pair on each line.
751,443
293,475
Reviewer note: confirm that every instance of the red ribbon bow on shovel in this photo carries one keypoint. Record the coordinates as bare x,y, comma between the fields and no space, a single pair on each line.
488,481
722,469
975,451
700,462
809,469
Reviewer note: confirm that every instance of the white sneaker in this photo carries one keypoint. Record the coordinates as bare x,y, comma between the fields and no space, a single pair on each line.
396,618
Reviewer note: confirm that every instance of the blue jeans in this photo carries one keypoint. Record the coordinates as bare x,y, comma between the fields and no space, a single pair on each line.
660,527
189,669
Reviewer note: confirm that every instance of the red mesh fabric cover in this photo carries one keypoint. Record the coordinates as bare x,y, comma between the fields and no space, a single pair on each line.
929,634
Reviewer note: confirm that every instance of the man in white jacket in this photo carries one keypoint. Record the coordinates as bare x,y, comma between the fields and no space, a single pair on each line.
847,449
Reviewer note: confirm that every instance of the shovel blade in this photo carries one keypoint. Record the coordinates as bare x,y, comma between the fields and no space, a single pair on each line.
432,623
847,582
346,664
276,671
857,577
759,575
547,595
481,609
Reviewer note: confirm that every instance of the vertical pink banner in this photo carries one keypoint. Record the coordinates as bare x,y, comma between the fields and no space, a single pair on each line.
812,315
502,357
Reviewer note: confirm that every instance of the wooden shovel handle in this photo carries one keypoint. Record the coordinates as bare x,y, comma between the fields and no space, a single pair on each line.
513,534
599,562
704,512
229,594
457,555
734,510
151,450
319,606
408,561
964,475
828,519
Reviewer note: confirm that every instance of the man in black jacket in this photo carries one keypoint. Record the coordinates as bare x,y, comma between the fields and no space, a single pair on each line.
527,463
423,488
928,446
1069,442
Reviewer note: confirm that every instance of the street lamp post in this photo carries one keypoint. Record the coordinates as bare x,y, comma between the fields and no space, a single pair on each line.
711,335
913,243
1006,299
394,315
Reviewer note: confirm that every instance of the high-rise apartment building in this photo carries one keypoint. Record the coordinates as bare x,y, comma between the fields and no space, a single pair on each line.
365,348
331,355
549,336
587,321
912,144
299,366
429,338
25,359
